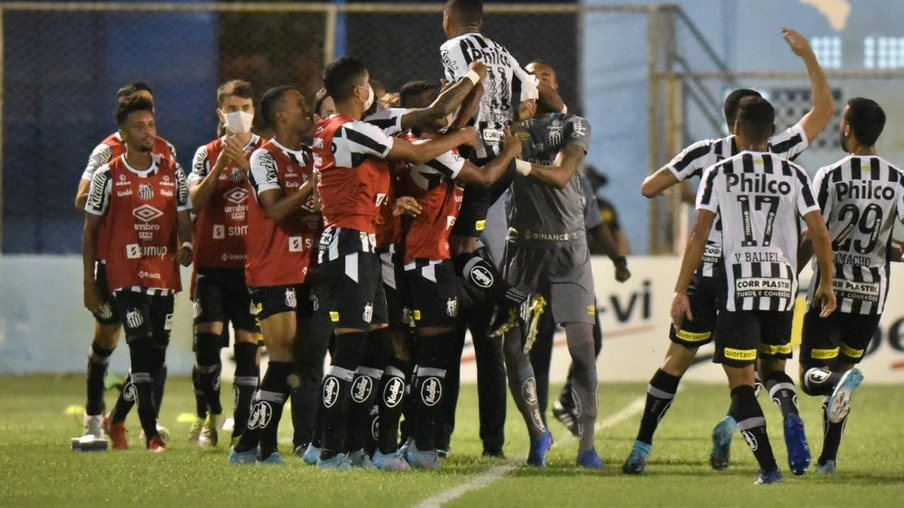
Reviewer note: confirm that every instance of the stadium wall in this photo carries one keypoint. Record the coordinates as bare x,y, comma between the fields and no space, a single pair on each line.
44,328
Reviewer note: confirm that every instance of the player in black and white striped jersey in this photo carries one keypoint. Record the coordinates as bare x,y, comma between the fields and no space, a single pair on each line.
759,196
861,197
704,289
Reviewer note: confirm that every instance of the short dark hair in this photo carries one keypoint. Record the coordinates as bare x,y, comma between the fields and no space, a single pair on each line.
341,76
757,117
732,102
867,119
410,94
131,89
270,103
319,98
131,104
233,88
467,11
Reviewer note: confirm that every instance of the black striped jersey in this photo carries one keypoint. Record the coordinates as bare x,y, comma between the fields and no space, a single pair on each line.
505,86
860,198
389,120
695,158
759,196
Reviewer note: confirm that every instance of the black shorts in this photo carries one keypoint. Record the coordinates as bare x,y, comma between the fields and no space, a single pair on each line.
841,337
743,335
222,297
107,314
705,295
351,291
472,217
398,310
433,292
145,313
272,300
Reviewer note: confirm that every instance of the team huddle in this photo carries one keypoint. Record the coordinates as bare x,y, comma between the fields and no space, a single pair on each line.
361,229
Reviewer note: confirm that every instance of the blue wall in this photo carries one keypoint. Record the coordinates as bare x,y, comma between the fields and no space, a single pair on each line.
746,36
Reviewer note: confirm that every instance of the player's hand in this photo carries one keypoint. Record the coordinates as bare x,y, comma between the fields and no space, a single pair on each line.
472,136
527,110
183,256
622,273
236,153
406,205
798,43
826,295
681,308
92,297
512,143
897,250
480,68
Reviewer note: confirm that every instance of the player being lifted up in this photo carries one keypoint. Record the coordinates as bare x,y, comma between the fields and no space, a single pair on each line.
107,322
505,90
759,195
351,188
220,191
704,288
282,236
861,197
143,201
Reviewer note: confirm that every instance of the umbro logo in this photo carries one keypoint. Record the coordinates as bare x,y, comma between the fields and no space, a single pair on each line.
146,213
236,196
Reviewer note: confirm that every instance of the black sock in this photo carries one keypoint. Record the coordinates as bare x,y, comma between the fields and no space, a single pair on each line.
660,394
429,385
364,395
98,361
247,374
392,397
160,386
832,434
747,412
142,356
783,393
818,381
209,365
125,401
348,353
268,406
200,401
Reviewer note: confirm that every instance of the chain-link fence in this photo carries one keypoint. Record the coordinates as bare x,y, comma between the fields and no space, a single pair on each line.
63,62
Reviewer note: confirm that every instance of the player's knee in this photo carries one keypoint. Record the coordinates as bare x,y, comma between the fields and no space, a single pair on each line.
107,336
207,349
214,327
349,350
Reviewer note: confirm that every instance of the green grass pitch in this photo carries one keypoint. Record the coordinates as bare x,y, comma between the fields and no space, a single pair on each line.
37,467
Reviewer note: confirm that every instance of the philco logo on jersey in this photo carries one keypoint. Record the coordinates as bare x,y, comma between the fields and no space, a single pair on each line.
758,183
579,130
490,56
863,190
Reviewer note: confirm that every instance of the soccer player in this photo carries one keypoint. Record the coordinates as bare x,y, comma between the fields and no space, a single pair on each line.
107,323
509,96
352,185
861,196
282,235
143,201
220,191
548,253
758,195
552,129
704,288
429,275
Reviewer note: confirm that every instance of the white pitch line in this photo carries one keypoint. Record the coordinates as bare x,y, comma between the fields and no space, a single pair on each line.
494,474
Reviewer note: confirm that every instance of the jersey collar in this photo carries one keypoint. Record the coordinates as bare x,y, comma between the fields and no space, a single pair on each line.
143,173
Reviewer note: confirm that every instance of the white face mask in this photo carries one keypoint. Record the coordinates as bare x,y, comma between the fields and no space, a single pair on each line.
238,122
370,98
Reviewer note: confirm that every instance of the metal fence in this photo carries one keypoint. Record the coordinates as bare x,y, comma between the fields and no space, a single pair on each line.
63,61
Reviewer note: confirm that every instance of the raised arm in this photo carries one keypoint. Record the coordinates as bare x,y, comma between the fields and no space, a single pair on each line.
424,152
448,101
823,110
